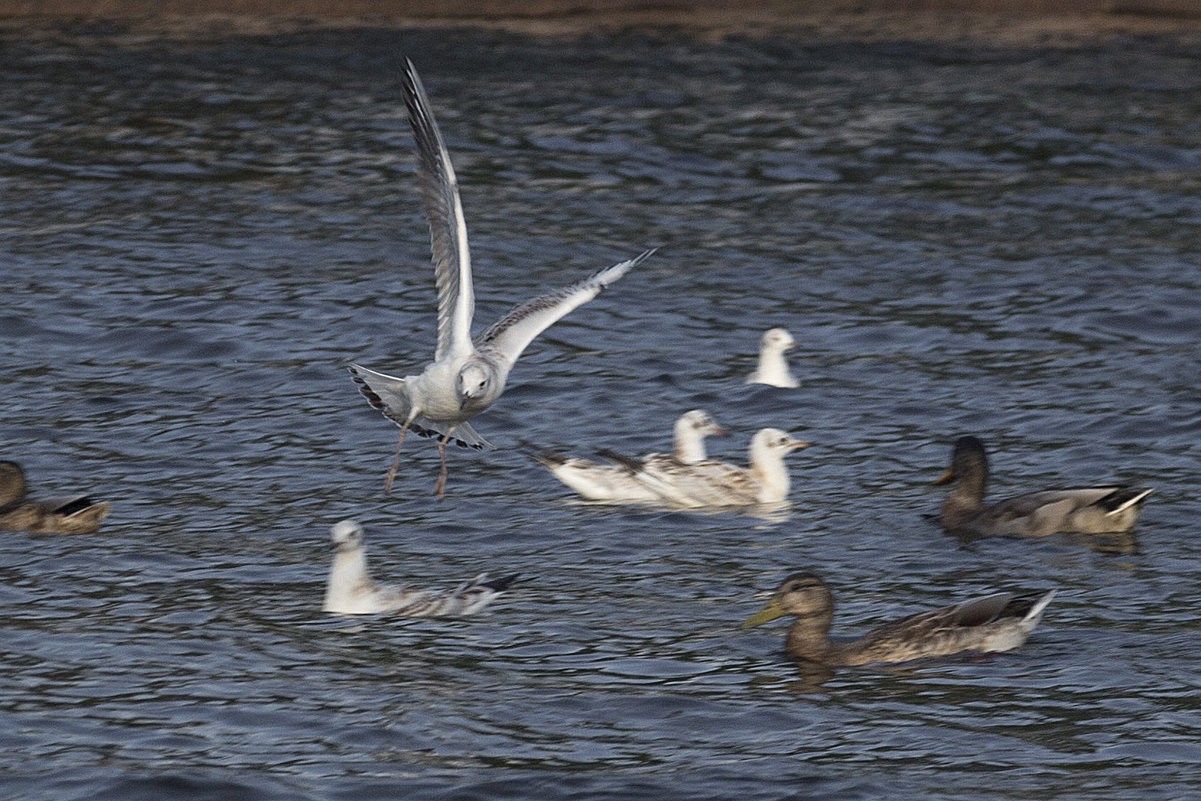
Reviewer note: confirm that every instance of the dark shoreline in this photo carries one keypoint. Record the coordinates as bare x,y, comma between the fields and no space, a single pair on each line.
1008,21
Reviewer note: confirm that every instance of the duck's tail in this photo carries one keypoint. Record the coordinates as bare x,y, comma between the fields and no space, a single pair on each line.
1122,499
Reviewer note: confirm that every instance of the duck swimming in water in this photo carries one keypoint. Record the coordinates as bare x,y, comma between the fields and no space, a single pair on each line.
74,515
1085,510
998,622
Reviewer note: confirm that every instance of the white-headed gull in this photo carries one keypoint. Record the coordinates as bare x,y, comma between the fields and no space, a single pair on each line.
608,482
350,590
466,376
773,367
712,483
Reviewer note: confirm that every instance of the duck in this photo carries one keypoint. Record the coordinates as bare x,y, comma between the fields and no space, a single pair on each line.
615,483
998,622
713,483
75,515
773,367
1083,510
350,590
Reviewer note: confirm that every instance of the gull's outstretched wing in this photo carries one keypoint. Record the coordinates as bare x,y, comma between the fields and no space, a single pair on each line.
509,336
448,232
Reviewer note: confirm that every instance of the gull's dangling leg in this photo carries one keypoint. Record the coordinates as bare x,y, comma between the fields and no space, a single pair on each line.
440,487
396,461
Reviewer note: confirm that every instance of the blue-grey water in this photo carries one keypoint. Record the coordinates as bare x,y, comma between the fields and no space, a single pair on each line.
197,234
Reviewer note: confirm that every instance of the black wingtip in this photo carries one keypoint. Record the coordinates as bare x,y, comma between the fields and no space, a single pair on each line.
541,455
74,506
370,394
620,459
1124,497
502,584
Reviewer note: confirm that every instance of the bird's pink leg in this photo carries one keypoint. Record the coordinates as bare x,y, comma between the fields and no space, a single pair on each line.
440,487
396,461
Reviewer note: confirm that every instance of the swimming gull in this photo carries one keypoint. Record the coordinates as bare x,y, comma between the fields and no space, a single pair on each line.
713,483
466,376
773,368
610,482
350,590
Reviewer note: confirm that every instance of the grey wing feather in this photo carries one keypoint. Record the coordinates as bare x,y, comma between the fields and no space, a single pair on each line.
1045,512
1022,505
468,598
387,393
508,337
390,396
973,612
444,211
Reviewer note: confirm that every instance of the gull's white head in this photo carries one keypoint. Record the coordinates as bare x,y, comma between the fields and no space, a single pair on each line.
474,382
704,425
774,441
777,339
346,535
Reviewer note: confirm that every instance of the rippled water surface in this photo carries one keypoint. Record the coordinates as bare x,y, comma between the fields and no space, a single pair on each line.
196,236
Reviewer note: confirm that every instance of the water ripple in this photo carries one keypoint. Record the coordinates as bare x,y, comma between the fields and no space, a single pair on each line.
198,235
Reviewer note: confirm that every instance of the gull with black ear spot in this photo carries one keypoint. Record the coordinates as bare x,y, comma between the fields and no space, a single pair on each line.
615,482
467,375
713,484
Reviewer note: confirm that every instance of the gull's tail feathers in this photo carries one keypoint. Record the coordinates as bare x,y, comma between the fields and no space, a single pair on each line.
1122,499
390,395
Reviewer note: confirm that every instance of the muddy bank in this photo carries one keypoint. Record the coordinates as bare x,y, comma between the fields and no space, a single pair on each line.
1016,21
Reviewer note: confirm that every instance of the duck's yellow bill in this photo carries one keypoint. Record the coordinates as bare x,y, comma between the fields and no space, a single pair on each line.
945,478
769,612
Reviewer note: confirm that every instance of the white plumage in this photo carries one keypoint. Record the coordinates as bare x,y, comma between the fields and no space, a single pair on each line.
773,367
466,376
350,589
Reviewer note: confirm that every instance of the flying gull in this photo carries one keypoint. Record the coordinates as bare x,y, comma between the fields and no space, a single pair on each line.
467,375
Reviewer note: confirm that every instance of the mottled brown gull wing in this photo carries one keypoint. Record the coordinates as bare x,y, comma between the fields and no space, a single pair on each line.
448,231
707,483
508,337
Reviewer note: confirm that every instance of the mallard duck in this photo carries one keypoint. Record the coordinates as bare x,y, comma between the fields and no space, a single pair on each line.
608,482
350,590
998,622
713,483
77,515
773,367
1085,510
